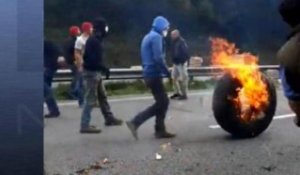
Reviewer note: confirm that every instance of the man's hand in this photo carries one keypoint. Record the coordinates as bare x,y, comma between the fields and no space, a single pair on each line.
170,81
107,74
80,69
106,71
61,61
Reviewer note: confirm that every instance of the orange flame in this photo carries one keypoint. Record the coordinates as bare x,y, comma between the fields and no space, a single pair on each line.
243,67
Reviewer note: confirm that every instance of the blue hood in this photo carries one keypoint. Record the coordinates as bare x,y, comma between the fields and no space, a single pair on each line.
160,23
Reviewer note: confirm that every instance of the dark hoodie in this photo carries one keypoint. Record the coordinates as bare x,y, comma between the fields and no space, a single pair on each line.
51,54
179,51
93,54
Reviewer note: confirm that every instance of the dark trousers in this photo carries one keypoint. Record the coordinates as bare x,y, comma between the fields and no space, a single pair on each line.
48,93
94,90
158,109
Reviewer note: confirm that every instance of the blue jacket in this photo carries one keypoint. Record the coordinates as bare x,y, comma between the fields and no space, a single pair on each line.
152,52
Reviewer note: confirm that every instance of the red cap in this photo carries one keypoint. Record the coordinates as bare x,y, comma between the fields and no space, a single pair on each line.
74,31
86,26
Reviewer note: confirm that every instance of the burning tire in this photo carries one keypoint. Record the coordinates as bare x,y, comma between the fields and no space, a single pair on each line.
228,114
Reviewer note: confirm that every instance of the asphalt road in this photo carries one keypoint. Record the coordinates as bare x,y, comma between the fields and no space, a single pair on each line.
200,148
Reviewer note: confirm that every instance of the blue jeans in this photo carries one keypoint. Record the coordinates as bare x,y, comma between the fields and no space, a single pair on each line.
94,90
77,85
48,93
158,109
291,91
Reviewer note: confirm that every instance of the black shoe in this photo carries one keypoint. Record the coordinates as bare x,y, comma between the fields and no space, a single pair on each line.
51,116
132,129
114,122
90,130
174,96
297,121
182,97
164,135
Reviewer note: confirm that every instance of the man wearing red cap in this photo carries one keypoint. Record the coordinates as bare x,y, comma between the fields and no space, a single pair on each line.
87,30
76,84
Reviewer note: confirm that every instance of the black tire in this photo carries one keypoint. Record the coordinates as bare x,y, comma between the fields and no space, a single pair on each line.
226,113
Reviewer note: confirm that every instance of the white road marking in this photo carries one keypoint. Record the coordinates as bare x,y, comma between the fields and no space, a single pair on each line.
278,117
75,103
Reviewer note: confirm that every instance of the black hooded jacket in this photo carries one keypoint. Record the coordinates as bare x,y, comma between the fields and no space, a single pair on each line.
93,54
51,54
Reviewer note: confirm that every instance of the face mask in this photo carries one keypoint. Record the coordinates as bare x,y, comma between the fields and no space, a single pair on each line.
165,33
106,29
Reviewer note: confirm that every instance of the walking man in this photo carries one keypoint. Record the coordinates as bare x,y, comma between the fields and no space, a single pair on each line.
76,87
94,69
180,57
87,29
154,69
51,54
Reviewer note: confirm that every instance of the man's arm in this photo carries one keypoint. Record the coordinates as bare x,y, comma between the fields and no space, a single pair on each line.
78,54
157,48
184,53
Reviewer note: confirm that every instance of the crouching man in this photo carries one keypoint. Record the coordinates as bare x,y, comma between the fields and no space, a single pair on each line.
154,68
289,56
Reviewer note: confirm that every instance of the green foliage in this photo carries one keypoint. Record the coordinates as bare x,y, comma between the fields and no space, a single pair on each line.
237,20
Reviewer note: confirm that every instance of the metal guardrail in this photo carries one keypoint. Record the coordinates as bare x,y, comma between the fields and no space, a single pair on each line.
64,75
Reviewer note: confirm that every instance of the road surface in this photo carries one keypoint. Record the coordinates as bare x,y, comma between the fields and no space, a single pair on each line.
200,148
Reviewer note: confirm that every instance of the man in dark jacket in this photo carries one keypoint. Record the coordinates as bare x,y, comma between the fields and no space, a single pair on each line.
51,54
154,68
93,70
76,88
180,57
289,56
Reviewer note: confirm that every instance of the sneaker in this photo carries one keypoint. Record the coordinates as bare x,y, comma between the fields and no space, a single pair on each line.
182,97
90,130
51,115
164,135
114,122
174,96
133,129
297,121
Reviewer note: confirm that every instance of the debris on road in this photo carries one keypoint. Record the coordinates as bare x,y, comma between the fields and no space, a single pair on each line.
178,150
158,156
269,168
165,146
98,165
105,161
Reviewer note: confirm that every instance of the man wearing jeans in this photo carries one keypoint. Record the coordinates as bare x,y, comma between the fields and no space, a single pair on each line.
154,68
76,84
51,54
180,56
93,82
79,49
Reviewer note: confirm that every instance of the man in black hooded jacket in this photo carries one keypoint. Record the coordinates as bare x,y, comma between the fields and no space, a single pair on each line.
93,70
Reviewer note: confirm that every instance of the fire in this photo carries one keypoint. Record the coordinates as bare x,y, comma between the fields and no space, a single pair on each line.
253,95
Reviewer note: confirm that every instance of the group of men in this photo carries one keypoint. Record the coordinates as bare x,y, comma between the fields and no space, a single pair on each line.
83,52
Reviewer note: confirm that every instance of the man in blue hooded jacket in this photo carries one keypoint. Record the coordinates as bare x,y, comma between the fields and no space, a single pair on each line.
154,69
